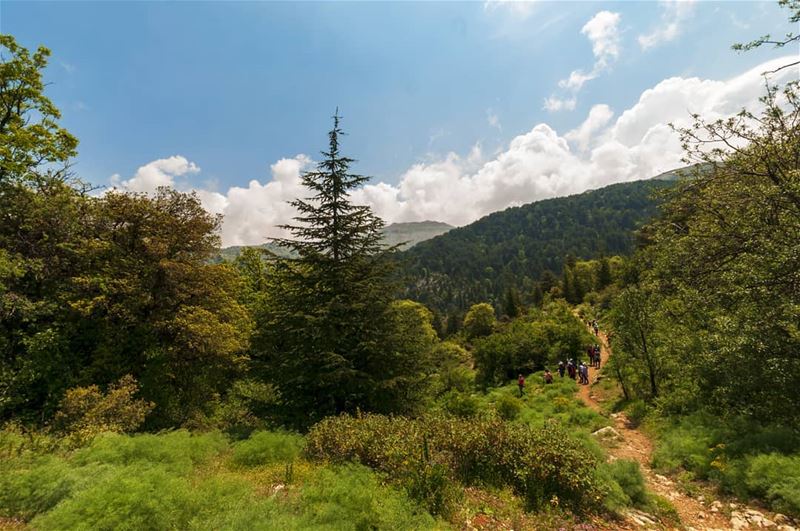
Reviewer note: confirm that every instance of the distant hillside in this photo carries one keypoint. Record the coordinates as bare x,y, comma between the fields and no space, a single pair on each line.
413,233
408,234
514,247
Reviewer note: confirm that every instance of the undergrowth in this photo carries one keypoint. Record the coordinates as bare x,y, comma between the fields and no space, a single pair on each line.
746,459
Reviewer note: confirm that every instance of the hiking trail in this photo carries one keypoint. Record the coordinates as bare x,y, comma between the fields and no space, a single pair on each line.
702,511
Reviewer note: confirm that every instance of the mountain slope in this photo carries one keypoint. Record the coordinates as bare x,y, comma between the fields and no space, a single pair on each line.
514,247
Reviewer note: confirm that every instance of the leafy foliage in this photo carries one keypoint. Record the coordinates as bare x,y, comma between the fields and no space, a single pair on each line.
86,412
479,321
537,464
31,141
542,337
715,294
264,447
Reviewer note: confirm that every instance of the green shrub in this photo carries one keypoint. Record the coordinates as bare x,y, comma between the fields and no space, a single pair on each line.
431,485
85,412
460,404
636,412
178,451
628,476
144,497
32,486
508,407
264,447
351,497
776,478
536,463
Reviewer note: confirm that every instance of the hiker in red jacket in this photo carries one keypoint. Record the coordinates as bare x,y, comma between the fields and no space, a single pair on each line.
521,384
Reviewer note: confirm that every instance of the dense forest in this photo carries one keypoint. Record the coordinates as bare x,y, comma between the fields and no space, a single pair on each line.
146,384
524,248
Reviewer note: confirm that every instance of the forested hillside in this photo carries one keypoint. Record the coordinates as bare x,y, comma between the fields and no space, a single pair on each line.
516,248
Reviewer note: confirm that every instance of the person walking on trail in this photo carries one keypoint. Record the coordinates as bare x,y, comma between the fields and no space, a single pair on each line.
521,384
571,369
548,376
561,369
597,355
595,327
584,374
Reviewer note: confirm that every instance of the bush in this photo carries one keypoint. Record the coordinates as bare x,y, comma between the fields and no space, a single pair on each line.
508,407
32,486
86,412
536,464
628,476
460,404
351,497
136,498
265,447
636,412
776,478
177,451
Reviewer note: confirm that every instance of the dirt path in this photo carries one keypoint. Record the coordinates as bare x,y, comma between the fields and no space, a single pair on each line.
700,512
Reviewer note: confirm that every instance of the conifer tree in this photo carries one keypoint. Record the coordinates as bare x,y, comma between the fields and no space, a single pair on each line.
323,337
604,278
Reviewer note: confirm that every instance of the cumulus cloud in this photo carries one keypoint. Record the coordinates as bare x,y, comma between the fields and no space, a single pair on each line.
598,118
161,172
539,164
603,32
674,14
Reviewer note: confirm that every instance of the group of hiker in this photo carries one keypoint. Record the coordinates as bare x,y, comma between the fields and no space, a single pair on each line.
578,371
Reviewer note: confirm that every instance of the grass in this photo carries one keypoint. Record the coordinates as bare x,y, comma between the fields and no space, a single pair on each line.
198,481
188,481
741,457
543,403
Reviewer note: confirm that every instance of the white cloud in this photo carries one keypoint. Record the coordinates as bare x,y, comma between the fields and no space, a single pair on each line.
518,8
161,172
674,14
576,80
603,31
598,118
538,164
553,104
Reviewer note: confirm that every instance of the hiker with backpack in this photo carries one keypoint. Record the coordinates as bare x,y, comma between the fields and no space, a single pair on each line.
548,376
561,369
521,384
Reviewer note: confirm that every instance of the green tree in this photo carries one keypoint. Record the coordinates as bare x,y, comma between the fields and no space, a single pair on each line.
479,321
327,321
727,249
31,141
636,354
512,303
604,278
780,42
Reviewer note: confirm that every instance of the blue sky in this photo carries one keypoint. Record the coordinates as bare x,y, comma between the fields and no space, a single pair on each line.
235,88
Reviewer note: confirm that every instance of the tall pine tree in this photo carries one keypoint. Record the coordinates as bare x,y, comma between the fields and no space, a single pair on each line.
326,324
